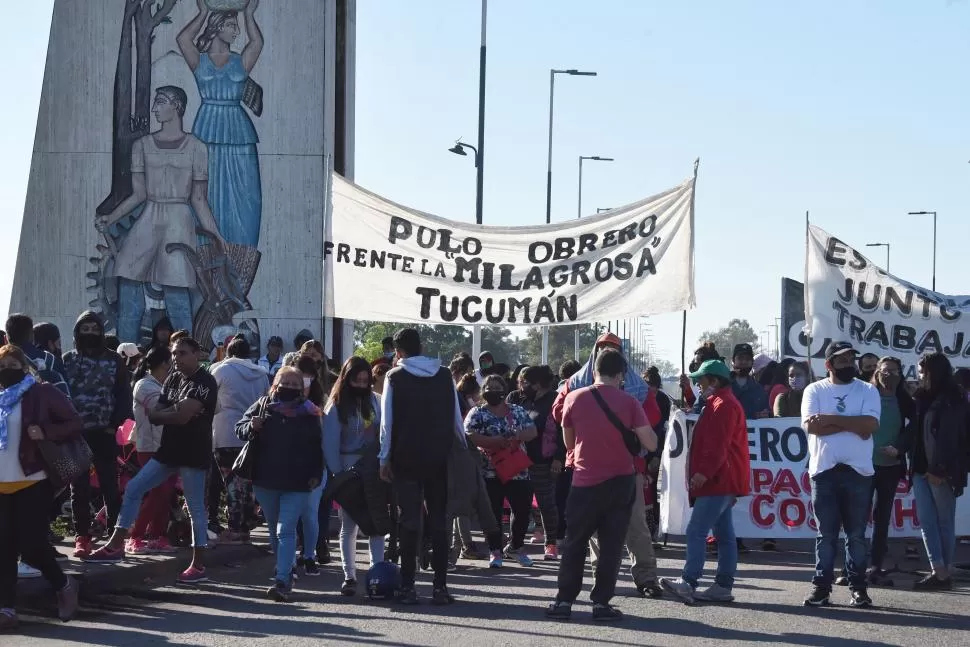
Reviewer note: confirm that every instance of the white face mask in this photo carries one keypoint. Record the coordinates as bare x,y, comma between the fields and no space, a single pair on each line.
798,382
307,381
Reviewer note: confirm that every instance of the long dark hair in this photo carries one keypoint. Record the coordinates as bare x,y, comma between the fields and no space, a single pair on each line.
468,387
154,358
652,377
213,25
938,380
341,396
308,366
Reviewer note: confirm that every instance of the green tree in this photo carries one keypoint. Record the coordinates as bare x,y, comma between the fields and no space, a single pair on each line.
561,344
738,331
443,342
667,369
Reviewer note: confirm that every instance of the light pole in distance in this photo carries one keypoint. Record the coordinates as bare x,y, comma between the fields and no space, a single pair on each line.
886,245
928,213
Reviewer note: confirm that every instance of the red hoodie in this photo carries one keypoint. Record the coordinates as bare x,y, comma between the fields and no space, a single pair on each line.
719,448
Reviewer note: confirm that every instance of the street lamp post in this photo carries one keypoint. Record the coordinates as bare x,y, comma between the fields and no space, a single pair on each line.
602,209
579,200
459,148
579,214
886,245
928,213
552,90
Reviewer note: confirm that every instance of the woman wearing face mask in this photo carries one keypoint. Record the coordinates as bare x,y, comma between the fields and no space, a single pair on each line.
897,408
315,520
789,403
351,428
285,434
493,426
30,411
779,383
547,451
314,349
938,448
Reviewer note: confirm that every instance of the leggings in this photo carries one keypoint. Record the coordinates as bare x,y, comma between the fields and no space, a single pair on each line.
544,485
519,495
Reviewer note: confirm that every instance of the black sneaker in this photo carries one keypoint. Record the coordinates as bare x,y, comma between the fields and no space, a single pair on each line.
323,553
279,592
606,613
652,590
860,599
742,549
559,611
310,568
933,583
408,596
349,587
441,597
842,580
818,598
878,577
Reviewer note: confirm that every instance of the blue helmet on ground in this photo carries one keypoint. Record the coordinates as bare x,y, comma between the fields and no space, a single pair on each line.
383,580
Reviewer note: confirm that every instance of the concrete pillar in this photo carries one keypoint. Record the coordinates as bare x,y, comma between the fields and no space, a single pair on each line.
106,61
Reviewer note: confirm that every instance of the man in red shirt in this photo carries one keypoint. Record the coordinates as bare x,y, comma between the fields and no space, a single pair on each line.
718,472
603,489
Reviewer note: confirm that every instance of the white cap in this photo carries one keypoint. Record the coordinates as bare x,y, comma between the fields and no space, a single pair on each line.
128,350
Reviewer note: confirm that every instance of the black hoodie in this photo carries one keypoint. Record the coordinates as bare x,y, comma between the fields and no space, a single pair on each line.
98,381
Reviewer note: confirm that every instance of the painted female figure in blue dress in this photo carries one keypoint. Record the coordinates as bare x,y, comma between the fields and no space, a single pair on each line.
235,192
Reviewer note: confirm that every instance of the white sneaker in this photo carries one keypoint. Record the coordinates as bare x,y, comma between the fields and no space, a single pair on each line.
715,593
538,537
27,572
679,588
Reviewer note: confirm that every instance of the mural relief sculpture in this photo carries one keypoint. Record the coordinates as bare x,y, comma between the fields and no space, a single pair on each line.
181,224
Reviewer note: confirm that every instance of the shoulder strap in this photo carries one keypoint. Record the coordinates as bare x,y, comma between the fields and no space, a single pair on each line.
629,438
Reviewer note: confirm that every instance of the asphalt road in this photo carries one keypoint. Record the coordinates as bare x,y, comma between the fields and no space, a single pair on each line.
505,608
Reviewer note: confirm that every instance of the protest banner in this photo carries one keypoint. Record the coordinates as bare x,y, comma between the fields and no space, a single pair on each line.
848,298
780,504
386,262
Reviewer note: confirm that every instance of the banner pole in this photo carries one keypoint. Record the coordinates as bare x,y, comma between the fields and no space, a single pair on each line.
683,328
809,323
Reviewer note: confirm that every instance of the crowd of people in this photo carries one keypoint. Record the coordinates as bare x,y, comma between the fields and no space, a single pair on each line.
225,436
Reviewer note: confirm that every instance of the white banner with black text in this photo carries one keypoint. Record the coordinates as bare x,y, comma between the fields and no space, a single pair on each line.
780,504
385,262
848,298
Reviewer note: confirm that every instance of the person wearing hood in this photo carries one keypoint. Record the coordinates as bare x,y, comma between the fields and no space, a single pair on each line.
161,334
639,540
420,419
241,383
272,361
101,393
20,332
485,365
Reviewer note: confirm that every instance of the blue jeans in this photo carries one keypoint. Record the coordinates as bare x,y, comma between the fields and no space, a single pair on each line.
131,308
154,474
936,506
282,511
712,513
311,522
841,498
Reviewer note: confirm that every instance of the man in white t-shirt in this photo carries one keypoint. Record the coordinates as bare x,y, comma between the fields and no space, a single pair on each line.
840,414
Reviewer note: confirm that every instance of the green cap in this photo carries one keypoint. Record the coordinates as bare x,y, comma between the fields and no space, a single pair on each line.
711,367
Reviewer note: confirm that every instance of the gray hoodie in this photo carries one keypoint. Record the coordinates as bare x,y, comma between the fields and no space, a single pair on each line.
241,383
421,367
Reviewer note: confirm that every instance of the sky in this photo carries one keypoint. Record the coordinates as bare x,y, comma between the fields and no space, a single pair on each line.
853,111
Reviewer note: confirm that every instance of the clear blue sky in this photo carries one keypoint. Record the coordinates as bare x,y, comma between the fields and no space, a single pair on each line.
857,111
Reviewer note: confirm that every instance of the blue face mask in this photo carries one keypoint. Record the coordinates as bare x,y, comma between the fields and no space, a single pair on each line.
389,354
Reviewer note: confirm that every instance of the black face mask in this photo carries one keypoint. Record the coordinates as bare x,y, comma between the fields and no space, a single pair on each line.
866,376
845,374
286,394
360,391
11,376
529,393
90,341
494,398
743,372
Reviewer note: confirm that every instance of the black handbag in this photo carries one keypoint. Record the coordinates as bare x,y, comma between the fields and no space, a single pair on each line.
629,438
65,461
